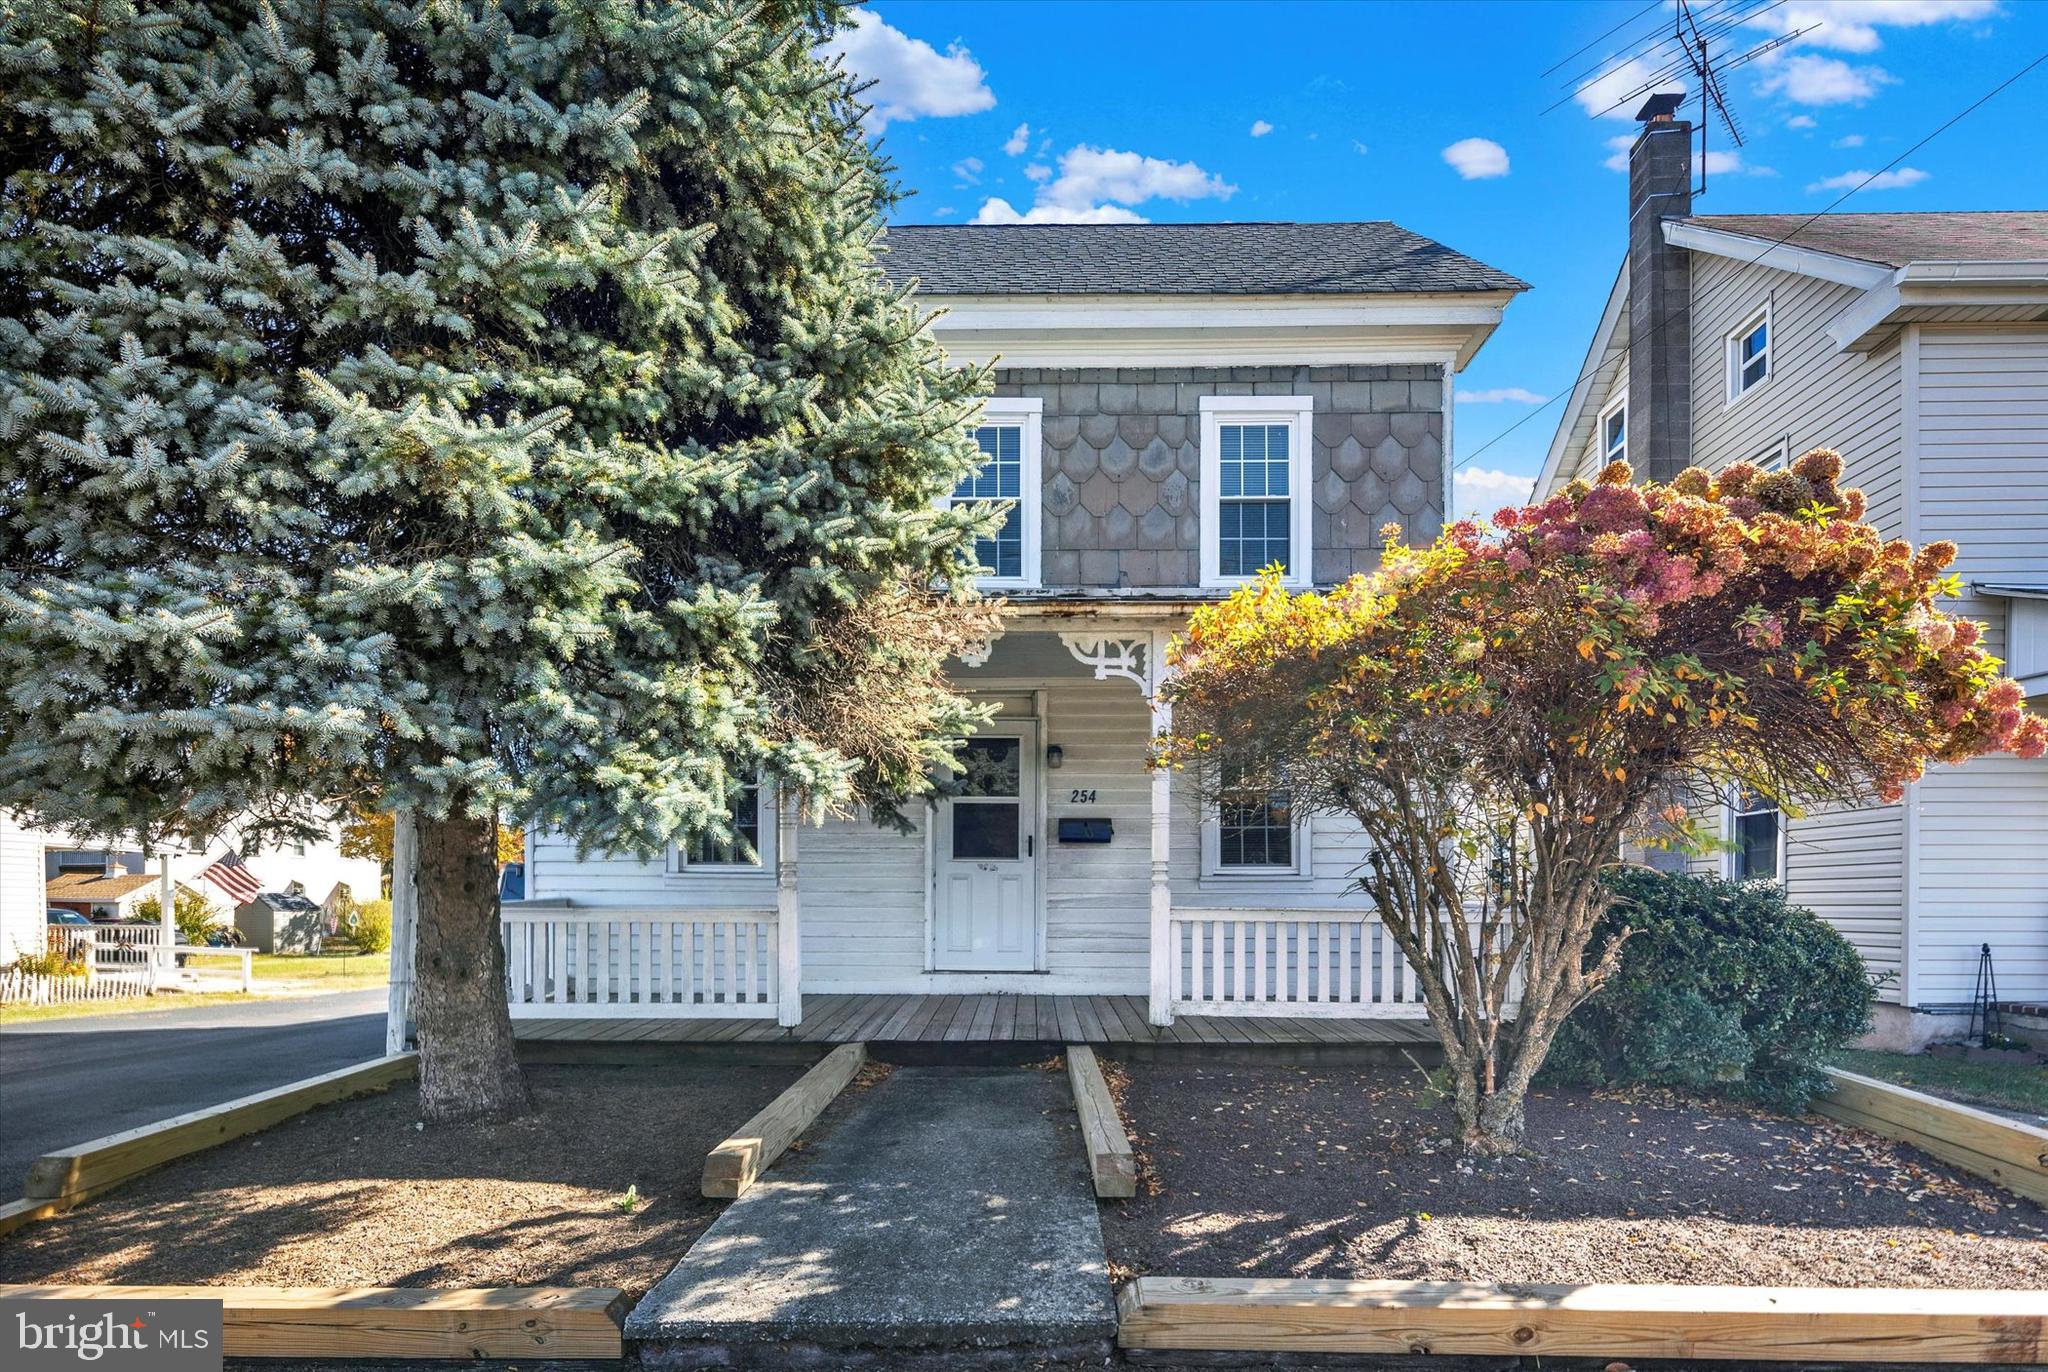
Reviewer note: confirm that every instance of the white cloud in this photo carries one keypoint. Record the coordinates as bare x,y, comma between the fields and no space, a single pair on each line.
997,210
968,169
1851,25
1098,185
1476,159
1802,121
1484,490
1501,395
1260,128
1038,171
1883,181
1613,93
1360,147
1617,151
1019,139
1807,79
1848,140
911,77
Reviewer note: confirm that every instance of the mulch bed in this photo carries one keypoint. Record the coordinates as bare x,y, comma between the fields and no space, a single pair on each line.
360,1193
1349,1173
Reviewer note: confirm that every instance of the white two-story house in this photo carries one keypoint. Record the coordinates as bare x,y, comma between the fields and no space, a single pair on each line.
1916,345
1175,407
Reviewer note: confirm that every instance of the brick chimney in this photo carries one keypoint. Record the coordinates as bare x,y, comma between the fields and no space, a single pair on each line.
1659,295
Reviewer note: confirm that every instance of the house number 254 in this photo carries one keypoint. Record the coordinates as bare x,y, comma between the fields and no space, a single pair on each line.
1080,797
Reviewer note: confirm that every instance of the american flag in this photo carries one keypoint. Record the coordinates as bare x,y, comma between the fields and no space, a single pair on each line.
232,875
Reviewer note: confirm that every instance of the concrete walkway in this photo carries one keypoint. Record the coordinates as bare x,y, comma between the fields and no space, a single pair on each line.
946,1211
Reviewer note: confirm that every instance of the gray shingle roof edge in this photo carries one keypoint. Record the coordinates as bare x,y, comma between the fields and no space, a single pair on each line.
1252,258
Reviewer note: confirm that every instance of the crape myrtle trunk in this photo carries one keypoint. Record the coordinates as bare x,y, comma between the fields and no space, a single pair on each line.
467,1066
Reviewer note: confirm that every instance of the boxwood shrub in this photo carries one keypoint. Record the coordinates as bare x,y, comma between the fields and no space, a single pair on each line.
1723,986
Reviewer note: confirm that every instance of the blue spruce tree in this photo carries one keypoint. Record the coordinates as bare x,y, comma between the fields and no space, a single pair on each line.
474,407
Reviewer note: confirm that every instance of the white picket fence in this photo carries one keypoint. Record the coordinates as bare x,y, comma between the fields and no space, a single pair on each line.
577,962
109,962
1299,963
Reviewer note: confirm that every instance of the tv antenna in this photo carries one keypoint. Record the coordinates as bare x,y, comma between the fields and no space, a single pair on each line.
1699,28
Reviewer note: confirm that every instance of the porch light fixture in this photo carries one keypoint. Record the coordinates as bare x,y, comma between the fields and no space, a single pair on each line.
1054,756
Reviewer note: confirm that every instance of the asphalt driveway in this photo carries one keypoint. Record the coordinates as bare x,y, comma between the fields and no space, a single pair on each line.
68,1081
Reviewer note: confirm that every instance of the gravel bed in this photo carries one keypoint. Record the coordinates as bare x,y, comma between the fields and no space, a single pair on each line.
1349,1173
361,1193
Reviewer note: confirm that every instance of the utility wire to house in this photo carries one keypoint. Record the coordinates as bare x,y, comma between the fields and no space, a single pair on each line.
1774,245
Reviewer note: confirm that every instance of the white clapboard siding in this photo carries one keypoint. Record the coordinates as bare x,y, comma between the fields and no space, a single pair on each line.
21,888
1816,396
1097,896
1983,878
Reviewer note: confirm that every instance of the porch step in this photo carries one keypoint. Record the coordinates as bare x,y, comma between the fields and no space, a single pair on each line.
941,1216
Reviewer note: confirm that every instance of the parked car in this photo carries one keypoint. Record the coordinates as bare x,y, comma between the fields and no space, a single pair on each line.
67,917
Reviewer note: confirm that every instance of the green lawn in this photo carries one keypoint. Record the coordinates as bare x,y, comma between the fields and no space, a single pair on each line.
324,971
78,1009
2007,1086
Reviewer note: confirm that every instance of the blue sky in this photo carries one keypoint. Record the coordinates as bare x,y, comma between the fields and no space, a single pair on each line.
1434,116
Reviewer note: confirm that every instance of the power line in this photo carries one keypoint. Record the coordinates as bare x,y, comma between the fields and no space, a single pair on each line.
1775,244
1654,4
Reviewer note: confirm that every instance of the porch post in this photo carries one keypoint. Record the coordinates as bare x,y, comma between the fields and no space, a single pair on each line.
405,853
167,912
789,994
1161,1006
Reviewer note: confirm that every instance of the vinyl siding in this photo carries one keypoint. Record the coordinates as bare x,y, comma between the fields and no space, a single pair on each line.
1846,864
1983,467
862,887
21,888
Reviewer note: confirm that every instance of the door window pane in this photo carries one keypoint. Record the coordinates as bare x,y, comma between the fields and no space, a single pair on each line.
985,830
994,766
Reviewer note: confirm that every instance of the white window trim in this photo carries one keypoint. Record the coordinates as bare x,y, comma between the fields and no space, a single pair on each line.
1607,454
1296,411
710,877
1729,802
1028,413
1775,457
1731,350
1213,870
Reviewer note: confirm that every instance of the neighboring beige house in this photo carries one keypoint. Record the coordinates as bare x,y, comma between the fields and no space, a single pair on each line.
102,895
1917,346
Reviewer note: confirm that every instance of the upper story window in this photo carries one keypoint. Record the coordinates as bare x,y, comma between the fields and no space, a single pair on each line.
1255,497
1614,432
1749,355
1008,437
1776,457
1254,831
1757,830
747,850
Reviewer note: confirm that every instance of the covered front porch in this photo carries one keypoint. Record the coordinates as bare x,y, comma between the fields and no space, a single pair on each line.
1097,1020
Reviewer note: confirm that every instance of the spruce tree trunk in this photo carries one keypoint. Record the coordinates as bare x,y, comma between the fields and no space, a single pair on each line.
467,1067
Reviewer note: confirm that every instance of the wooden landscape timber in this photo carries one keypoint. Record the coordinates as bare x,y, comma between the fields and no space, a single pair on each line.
1111,1163
735,1164
73,1174
553,1322
2002,1150
1748,1324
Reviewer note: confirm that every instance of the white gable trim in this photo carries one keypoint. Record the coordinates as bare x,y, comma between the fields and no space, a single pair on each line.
1611,317
1763,252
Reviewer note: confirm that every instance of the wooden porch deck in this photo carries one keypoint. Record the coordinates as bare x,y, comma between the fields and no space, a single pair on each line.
983,1019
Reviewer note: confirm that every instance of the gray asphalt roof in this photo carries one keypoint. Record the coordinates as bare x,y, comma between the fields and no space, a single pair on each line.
1371,257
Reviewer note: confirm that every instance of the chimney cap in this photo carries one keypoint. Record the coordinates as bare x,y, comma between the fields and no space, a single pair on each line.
1659,108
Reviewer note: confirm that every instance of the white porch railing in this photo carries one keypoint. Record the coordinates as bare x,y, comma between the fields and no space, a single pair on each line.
593,962
1299,963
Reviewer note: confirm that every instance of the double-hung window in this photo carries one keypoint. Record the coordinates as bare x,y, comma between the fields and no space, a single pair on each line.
1756,832
1614,432
1255,496
1749,355
1254,831
746,848
1009,438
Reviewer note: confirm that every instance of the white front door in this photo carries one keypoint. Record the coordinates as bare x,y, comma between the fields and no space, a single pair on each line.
986,910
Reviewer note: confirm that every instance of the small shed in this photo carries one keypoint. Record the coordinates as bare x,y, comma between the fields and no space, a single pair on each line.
286,921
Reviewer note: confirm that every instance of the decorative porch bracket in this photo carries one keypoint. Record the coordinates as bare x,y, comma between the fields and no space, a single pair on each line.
1140,658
